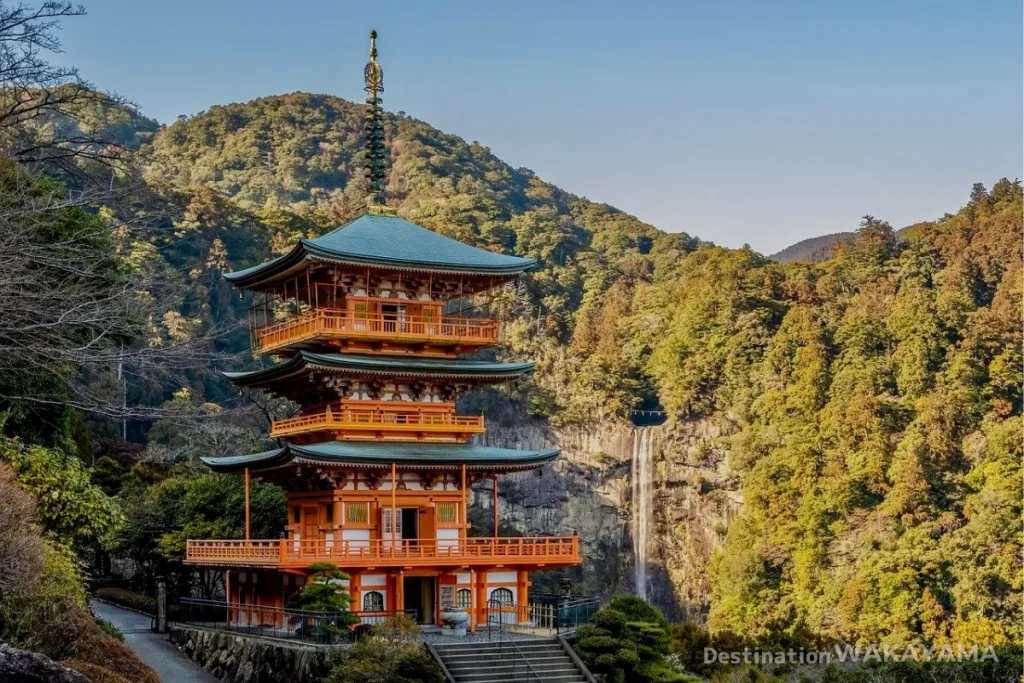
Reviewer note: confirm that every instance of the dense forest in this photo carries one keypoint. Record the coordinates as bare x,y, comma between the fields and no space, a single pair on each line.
872,398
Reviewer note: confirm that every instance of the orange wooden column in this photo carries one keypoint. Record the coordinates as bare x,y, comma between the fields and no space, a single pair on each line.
494,502
464,527
523,595
481,596
247,503
394,505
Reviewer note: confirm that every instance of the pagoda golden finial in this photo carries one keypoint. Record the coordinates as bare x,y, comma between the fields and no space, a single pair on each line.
375,151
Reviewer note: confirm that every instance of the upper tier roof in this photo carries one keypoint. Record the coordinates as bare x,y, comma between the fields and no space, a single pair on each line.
393,366
379,454
385,241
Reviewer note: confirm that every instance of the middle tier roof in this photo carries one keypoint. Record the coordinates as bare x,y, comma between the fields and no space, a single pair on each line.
304,363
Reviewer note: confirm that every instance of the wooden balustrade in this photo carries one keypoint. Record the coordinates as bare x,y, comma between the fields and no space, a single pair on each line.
340,324
547,551
385,421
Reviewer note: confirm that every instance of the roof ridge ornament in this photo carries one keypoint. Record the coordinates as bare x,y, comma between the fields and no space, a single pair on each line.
375,151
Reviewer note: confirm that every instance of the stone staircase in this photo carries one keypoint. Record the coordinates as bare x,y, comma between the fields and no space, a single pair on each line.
506,662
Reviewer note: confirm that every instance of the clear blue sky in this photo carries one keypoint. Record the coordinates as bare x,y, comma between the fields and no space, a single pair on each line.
740,122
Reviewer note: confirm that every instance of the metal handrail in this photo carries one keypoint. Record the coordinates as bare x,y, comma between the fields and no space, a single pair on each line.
269,621
500,607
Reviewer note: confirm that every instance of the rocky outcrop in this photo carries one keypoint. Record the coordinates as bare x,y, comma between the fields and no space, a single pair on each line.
587,491
245,659
21,666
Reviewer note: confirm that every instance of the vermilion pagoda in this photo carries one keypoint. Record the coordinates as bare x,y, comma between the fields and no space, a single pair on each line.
376,464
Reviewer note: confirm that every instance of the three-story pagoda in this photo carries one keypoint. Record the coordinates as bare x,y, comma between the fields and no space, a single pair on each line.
376,464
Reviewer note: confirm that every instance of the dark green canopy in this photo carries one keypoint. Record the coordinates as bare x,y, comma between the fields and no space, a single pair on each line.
379,454
386,241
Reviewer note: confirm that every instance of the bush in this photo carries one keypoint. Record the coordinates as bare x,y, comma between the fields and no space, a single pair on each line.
109,628
378,660
95,674
128,598
77,637
628,643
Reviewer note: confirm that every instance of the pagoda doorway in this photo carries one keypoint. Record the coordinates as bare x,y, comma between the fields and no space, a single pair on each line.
409,526
394,317
419,595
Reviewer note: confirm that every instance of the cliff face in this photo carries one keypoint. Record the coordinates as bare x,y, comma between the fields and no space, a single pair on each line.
589,491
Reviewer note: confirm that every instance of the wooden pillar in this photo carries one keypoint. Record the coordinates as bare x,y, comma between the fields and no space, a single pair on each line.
354,589
481,597
523,596
247,503
464,527
494,502
472,600
227,593
394,505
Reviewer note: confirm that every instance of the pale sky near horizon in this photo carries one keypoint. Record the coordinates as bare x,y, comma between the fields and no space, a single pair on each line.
738,122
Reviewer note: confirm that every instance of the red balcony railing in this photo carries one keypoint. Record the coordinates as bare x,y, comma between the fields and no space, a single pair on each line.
395,422
542,550
339,324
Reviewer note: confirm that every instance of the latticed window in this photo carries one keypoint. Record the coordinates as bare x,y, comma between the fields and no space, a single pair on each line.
464,598
446,512
373,601
502,596
356,512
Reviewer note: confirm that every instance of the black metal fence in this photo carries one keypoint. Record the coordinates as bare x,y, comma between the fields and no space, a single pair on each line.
305,626
544,614
572,611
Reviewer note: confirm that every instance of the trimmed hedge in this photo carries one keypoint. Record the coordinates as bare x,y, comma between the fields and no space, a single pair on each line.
128,598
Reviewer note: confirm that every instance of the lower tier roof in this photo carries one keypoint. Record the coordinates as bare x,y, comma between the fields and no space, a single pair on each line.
377,454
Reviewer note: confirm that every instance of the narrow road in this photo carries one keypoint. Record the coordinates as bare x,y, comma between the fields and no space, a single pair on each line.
170,664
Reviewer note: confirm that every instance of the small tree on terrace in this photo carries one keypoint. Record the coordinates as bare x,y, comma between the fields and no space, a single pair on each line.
325,592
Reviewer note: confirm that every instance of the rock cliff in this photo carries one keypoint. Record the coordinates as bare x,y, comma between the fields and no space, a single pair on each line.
588,491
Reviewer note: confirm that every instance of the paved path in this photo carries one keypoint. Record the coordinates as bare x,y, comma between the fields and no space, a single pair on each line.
153,648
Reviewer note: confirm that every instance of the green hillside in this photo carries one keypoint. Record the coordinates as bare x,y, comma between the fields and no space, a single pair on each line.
872,401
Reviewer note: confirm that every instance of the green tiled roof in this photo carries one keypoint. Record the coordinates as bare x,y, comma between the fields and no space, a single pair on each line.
380,365
376,453
375,240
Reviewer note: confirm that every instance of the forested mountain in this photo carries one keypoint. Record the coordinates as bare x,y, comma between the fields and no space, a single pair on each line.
872,400
812,250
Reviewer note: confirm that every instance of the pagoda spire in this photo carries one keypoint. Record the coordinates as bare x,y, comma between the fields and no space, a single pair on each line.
375,152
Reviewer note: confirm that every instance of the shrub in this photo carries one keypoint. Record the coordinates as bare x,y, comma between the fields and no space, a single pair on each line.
128,598
109,628
95,674
628,642
77,637
378,660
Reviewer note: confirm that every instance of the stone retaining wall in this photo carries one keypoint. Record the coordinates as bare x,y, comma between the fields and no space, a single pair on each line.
245,659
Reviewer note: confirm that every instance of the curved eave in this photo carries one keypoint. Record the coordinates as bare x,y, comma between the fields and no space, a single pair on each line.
307,251
371,455
381,366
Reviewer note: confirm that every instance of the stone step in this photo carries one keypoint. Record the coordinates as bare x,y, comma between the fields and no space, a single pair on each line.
469,661
524,646
498,654
505,662
512,666
577,678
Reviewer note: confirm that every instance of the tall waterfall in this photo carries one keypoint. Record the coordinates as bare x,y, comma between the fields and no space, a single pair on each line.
642,479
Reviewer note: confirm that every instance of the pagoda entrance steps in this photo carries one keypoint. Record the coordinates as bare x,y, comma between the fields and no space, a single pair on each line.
533,661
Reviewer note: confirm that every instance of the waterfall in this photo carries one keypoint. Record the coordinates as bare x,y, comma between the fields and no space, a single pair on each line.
642,480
